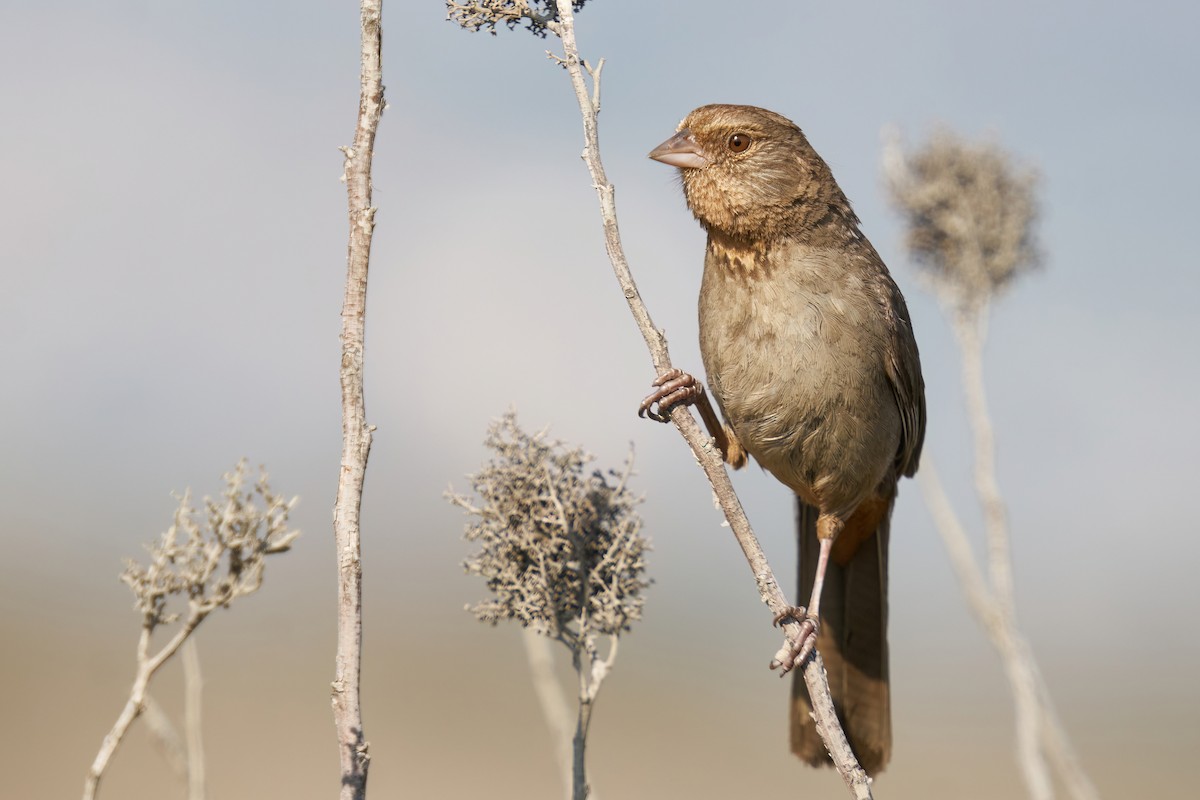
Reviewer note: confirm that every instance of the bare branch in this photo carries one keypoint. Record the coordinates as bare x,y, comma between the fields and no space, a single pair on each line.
356,434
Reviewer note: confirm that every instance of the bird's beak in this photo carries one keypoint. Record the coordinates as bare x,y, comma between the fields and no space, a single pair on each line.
681,150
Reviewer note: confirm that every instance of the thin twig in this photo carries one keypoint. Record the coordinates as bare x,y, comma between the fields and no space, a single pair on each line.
356,434
954,538
1019,664
1059,750
1039,732
998,626
165,737
193,693
147,666
1008,642
579,781
551,699
970,329
702,446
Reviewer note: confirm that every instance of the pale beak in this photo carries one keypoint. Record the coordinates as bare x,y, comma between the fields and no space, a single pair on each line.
680,151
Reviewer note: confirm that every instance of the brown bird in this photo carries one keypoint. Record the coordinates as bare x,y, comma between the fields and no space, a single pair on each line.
810,355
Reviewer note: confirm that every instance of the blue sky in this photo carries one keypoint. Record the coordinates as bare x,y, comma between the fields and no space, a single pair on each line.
172,248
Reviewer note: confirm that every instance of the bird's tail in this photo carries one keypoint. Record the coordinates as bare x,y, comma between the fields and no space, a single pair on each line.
852,643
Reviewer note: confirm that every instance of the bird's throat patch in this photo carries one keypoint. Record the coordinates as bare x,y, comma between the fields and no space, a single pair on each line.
750,261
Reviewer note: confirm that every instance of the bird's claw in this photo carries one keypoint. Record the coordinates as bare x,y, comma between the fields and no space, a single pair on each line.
794,652
673,387
793,613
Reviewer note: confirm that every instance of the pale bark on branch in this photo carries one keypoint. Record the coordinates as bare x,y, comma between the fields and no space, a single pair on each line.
356,434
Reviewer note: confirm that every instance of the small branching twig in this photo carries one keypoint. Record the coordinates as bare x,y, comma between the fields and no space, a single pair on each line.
970,215
562,552
558,18
203,567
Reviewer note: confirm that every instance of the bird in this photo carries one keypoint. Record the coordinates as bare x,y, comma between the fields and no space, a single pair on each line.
809,352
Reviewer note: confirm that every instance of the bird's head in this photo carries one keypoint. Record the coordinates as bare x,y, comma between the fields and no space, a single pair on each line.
748,172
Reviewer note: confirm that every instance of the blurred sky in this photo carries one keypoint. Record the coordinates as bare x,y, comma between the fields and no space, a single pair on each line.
172,254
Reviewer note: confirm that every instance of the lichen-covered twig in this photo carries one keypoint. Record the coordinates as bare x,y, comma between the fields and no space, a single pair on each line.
203,567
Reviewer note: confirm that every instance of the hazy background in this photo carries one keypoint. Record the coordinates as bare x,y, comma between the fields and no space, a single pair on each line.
172,247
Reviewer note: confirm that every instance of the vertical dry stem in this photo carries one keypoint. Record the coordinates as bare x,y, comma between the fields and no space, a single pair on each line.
970,212
165,737
551,699
970,329
1039,734
579,781
193,693
356,435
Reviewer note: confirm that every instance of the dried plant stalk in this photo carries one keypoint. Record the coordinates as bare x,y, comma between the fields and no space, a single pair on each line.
202,567
563,555
356,434
970,214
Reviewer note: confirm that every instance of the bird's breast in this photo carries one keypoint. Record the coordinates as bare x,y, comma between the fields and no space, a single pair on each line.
792,346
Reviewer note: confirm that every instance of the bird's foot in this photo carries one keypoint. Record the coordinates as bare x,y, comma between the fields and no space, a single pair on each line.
673,387
794,652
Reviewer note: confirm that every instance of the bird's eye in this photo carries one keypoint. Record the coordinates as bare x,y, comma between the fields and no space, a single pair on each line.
739,143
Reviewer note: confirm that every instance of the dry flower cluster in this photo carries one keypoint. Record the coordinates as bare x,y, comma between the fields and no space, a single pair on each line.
487,14
562,552
195,569
969,213
212,565
561,549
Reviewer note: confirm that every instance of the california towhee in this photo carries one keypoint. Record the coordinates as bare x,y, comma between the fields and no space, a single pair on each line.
810,354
